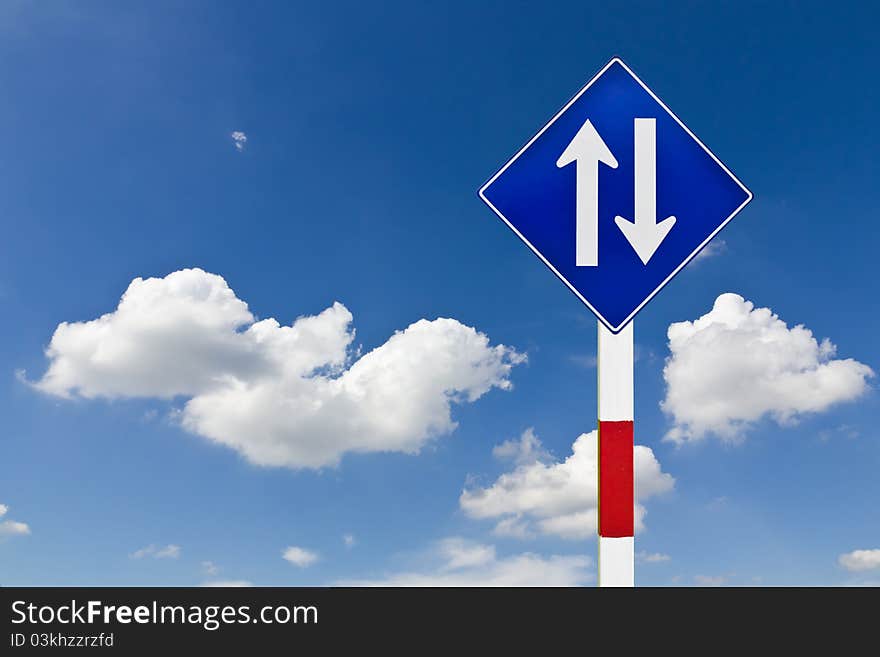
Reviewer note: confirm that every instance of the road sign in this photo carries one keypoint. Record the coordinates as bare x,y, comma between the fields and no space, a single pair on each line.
615,194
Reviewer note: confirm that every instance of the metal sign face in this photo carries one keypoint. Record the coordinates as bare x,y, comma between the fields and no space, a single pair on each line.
615,194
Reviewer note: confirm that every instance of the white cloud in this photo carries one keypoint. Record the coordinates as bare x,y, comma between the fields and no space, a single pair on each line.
239,139
513,527
465,563
9,528
846,430
210,568
13,528
169,551
737,364
710,580
527,449
227,583
714,248
349,540
299,556
460,554
279,395
860,560
651,557
559,498
169,336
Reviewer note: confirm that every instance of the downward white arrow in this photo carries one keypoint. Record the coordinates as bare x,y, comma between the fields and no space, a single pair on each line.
587,149
645,234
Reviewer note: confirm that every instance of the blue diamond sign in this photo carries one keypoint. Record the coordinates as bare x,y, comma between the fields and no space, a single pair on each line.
615,194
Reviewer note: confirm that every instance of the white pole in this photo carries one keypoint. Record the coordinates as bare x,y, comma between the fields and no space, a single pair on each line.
615,451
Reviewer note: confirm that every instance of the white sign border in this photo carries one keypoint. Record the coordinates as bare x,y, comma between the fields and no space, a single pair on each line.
615,329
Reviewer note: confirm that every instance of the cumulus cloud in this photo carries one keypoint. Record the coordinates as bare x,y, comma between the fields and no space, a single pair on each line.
460,554
10,528
299,556
349,540
737,364
210,568
293,396
460,562
526,449
513,527
860,560
239,139
558,498
710,580
170,551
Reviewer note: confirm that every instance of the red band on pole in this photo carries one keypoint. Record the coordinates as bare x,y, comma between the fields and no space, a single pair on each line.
615,479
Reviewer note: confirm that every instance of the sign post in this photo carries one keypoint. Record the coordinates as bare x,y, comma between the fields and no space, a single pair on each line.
615,195
616,518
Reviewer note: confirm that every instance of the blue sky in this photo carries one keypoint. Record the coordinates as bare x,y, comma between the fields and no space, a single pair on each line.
368,132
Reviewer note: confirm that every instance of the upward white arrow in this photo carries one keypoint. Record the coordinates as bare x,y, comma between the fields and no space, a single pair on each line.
645,234
587,149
